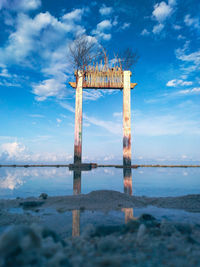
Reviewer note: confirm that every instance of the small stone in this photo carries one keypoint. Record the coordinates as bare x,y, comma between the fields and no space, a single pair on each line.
82,209
43,196
147,217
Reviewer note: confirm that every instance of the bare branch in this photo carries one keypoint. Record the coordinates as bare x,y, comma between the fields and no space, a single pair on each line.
128,58
84,50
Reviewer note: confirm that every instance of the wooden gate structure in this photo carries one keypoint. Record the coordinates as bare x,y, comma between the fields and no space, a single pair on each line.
103,77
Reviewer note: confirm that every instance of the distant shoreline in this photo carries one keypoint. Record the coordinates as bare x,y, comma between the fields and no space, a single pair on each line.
100,166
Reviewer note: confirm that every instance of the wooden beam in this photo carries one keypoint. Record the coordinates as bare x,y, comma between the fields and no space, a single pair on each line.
73,85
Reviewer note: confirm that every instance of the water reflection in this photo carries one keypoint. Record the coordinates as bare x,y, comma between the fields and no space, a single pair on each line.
127,175
76,213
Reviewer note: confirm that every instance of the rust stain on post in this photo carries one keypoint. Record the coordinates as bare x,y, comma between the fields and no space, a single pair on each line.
126,119
78,119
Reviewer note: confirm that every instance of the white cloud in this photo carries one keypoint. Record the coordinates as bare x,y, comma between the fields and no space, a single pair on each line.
58,120
166,125
192,57
22,41
104,10
158,28
125,25
117,115
145,32
105,24
36,116
110,126
177,27
175,82
195,90
190,61
12,149
92,95
4,73
17,153
76,14
101,30
20,5
162,11
50,88
194,22
46,38
180,37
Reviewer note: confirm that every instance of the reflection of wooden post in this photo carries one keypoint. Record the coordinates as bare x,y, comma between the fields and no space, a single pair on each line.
127,119
76,223
128,214
127,181
77,183
76,213
127,172
78,120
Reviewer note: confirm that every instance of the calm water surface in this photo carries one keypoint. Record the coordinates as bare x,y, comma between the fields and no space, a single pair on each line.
26,182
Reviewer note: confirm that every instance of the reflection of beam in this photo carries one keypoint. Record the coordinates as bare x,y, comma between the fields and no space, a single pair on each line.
76,213
126,120
78,120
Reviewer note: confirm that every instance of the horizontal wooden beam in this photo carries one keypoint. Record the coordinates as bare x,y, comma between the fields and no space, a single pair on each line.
73,84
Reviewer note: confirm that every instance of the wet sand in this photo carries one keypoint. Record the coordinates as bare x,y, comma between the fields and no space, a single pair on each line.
105,200
145,241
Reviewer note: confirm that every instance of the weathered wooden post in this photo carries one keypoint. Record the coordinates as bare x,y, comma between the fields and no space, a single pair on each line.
127,119
78,119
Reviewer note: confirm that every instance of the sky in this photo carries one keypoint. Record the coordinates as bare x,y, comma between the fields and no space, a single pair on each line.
37,103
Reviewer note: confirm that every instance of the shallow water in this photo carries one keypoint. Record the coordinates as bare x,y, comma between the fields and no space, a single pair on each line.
26,182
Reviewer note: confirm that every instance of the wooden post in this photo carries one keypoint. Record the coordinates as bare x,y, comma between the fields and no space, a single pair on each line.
78,120
127,119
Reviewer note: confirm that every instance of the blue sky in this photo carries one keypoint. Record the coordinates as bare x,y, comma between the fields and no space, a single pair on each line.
37,104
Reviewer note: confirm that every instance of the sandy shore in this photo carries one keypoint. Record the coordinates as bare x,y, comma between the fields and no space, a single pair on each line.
145,242
27,241
105,200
